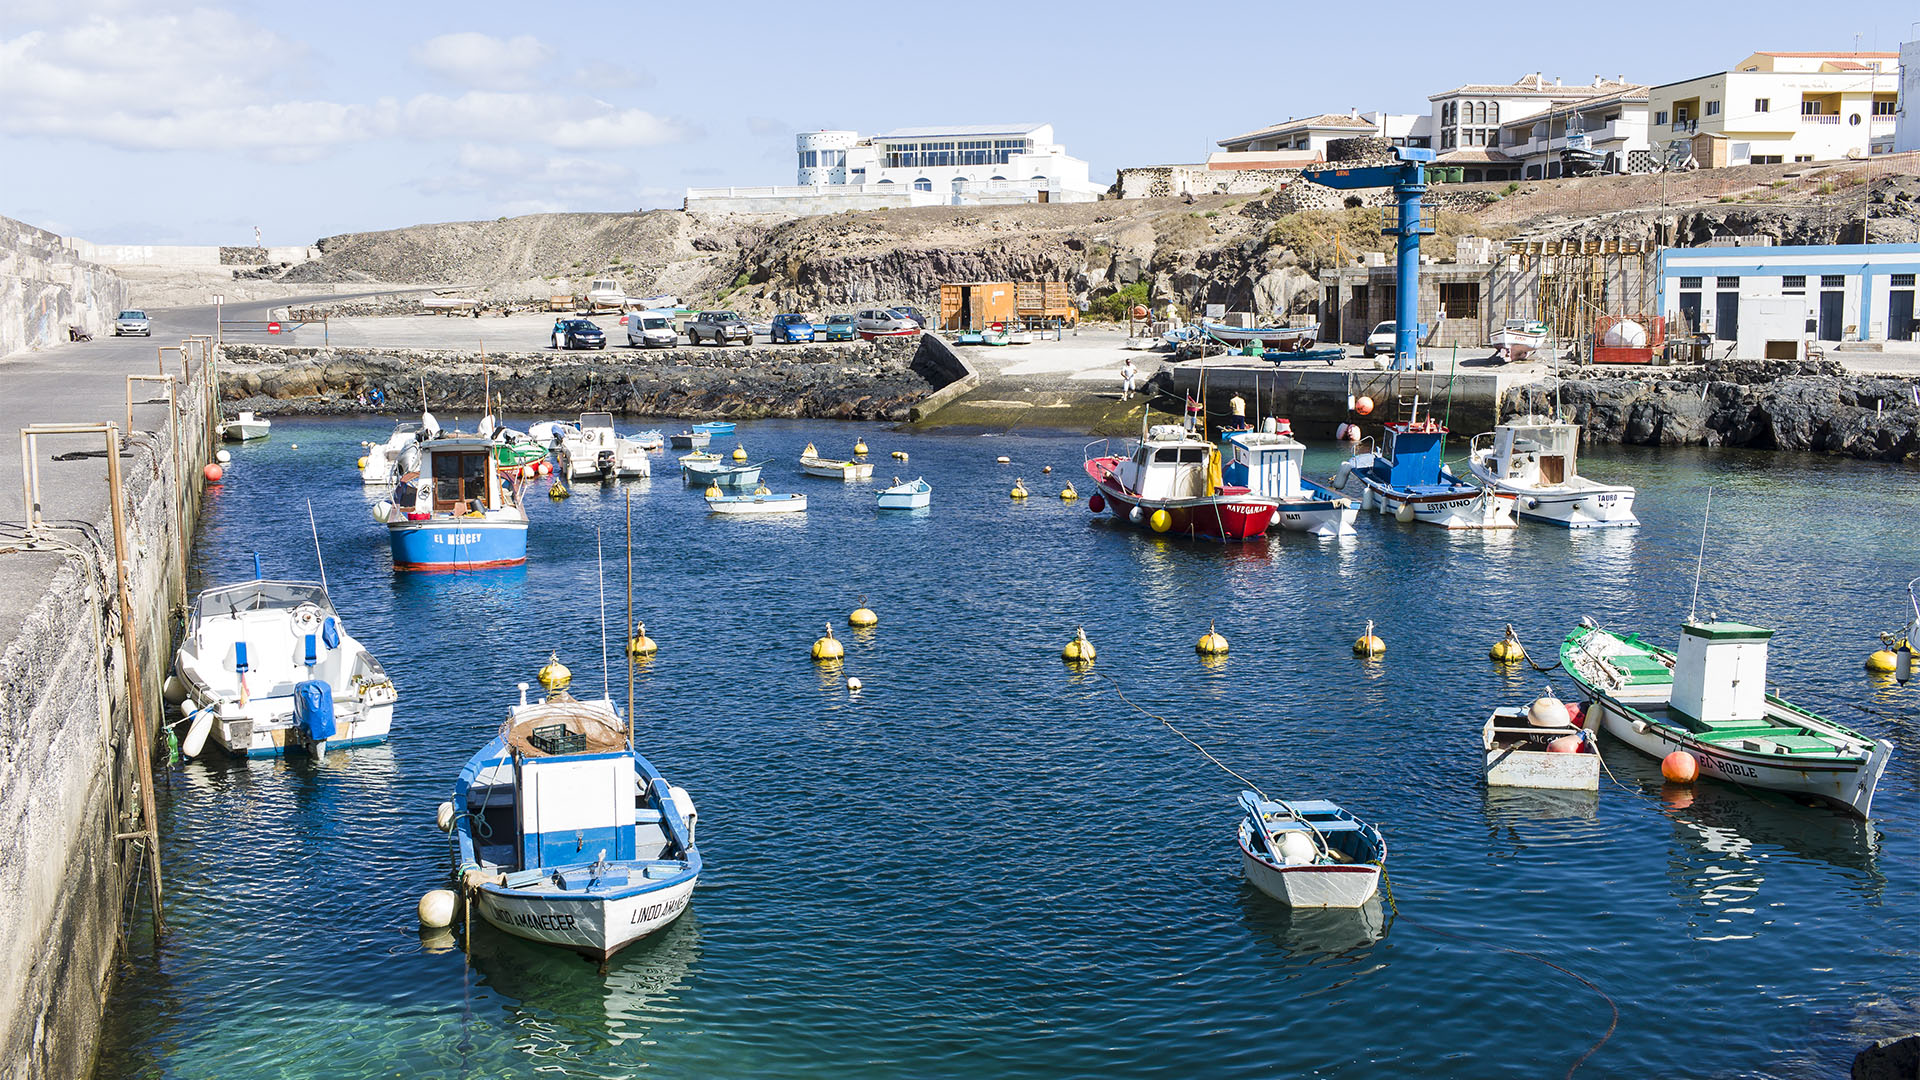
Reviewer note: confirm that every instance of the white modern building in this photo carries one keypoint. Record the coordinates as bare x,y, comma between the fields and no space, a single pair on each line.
1467,119
1906,126
1770,302
1615,125
1776,107
1313,133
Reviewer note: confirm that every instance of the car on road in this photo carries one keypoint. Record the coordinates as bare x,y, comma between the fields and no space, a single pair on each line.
651,330
1380,341
578,334
919,317
129,323
789,329
718,328
882,321
838,328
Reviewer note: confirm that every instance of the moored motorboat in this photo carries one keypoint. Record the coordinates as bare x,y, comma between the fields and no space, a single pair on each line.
759,502
245,427
915,494
1710,700
1309,853
1409,479
1171,483
813,464
594,450
379,467
1270,462
1534,461
690,440
565,834
455,509
266,666
715,428
648,440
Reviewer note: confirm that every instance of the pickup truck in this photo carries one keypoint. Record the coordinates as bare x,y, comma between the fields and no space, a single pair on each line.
718,328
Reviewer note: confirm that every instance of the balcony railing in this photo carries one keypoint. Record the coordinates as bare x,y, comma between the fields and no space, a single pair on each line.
1686,125
1819,118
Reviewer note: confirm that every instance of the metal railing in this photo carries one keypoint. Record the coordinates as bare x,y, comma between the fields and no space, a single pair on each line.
1819,118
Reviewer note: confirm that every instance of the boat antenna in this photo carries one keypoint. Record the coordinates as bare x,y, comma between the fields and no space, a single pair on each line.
316,546
600,559
629,493
1701,559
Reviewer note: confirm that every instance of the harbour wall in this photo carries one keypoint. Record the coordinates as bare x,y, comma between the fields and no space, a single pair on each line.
880,380
46,287
1316,399
69,770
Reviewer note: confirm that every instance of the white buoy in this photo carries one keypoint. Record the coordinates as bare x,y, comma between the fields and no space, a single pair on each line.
197,732
437,908
223,456
444,817
854,684
1296,849
173,690
1549,711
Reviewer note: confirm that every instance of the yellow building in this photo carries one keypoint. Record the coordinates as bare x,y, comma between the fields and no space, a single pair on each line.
1778,107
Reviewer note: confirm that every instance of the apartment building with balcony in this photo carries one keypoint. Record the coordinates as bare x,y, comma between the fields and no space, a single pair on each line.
1467,119
1778,107
1313,133
1615,124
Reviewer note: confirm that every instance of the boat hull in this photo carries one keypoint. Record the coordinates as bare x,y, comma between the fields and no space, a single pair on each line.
244,431
696,441
1317,517
270,738
1587,506
598,926
757,505
457,544
724,477
1345,885
1217,517
918,500
1461,507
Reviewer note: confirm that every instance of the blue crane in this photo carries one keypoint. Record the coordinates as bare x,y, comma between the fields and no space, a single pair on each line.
1408,179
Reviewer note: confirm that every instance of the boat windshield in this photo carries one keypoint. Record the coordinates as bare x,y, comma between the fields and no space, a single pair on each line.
596,420
259,596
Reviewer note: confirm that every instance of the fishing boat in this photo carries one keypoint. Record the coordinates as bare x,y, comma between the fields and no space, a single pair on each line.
715,428
1710,700
1518,339
455,510
1533,462
565,834
245,428
514,449
593,450
1283,338
913,495
1269,462
1309,853
1171,482
1409,479
813,464
266,667
1540,745
704,469
648,440
378,467
996,334
691,440
759,502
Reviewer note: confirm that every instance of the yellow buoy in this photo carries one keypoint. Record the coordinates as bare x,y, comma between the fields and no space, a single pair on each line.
859,447
1211,643
1368,644
1046,469
827,648
1079,650
1161,521
1019,489
763,490
555,676
558,490
1508,649
1068,493
739,453
862,615
713,491
1882,662
361,464
640,644
899,455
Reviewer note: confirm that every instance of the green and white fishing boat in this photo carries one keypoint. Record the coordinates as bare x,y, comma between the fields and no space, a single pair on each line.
1710,699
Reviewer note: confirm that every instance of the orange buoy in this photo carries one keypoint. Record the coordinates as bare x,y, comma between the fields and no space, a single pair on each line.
1364,406
213,472
1680,767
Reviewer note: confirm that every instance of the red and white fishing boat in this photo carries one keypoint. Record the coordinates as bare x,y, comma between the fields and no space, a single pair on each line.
1170,483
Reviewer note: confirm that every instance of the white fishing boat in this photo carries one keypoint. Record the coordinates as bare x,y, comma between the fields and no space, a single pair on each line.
592,450
759,502
245,427
913,495
380,467
1534,462
1283,338
266,667
648,440
567,835
1270,462
1539,746
1710,700
1309,853
1518,339
813,464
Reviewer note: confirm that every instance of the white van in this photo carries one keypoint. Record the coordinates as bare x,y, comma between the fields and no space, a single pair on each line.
651,330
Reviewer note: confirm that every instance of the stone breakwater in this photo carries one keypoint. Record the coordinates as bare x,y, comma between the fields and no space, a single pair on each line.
1772,406
857,381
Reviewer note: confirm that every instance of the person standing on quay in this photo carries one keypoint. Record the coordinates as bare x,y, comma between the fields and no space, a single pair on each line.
1127,374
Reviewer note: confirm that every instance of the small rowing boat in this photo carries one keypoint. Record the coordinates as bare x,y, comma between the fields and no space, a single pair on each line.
1309,853
691,440
760,502
245,428
813,464
700,469
913,495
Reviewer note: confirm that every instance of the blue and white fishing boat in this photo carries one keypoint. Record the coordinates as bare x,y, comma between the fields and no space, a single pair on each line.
456,510
266,667
565,834
715,428
1309,853
915,494
1270,462
699,469
1409,479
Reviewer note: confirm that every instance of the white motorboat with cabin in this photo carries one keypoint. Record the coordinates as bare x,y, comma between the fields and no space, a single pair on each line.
1269,462
245,428
380,467
1171,481
1534,462
594,450
266,666
1309,853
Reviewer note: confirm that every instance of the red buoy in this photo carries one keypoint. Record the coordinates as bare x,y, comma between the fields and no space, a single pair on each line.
1097,503
1364,406
213,473
1680,767
1577,714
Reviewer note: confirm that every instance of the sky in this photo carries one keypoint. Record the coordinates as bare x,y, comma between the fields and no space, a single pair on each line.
154,121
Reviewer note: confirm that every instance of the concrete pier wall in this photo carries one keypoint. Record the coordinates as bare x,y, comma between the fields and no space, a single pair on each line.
46,287
68,766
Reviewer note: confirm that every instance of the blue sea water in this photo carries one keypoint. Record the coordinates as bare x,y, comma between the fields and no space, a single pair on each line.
984,863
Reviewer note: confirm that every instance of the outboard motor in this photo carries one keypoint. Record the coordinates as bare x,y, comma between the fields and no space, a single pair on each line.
313,713
604,460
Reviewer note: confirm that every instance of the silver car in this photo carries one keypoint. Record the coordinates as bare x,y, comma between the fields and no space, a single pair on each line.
883,320
128,323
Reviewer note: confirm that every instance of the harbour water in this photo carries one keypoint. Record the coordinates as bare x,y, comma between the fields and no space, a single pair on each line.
983,863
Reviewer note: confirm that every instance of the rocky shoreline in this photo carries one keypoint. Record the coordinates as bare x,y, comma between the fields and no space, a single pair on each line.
861,381
1759,405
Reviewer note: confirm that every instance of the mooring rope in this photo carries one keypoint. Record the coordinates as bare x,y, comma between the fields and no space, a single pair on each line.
1184,737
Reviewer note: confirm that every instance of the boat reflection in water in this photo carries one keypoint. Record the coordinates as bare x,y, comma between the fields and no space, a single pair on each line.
1324,935
566,1005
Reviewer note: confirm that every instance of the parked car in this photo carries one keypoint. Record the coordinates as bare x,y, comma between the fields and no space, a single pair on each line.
651,330
919,317
1380,341
132,322
883,321
838,328
790,329
718,328
578,334
760,329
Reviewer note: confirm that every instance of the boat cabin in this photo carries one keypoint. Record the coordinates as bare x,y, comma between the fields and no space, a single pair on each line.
1170,463
1535,454
1720,673
1413,455
593,421
456,475
1268,462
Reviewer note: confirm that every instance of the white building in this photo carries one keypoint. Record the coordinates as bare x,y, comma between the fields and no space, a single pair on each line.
1467,119
1768,302
1313,133
1906,127
1777,107
1615,124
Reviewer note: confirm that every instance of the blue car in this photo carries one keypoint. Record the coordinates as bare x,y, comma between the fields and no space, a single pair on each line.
839,328
790,329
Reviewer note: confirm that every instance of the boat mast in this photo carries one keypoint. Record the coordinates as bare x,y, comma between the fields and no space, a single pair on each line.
629,492
316,546
600,564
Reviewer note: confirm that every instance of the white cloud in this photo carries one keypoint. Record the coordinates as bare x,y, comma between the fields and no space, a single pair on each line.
482,61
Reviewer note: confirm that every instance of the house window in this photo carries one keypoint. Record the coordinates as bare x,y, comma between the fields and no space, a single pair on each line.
1833,281
1809,108
1802,157
1660,117
1493,113
1885,108
1461,300
1761,104
923,184
1793,281
1764,159
1689,282
1713,108
1727,282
